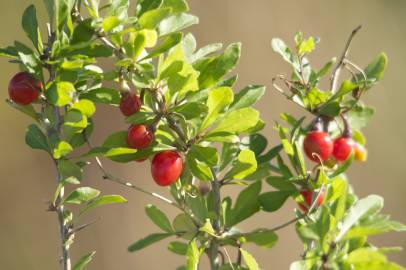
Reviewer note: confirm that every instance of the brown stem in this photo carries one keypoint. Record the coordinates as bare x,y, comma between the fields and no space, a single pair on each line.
337,69
214,244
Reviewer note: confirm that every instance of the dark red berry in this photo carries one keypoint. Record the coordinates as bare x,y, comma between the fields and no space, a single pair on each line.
318,145
23,88
308,199
130,104
139,137
166,167
342,148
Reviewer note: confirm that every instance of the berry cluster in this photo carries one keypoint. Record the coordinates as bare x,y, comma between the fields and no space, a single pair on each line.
320,147
166,166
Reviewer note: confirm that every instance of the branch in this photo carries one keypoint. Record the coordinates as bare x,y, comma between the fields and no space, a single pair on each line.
63,227
337,69
214,245
312,207
110,177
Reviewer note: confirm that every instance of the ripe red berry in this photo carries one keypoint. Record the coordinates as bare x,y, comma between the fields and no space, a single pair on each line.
360,153
139,137
24,88
318,145
166,167
308,199
130,104
342,148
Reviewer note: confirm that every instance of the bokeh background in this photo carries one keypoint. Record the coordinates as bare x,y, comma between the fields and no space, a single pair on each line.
28,234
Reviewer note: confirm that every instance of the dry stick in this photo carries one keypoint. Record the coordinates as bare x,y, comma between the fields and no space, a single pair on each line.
337,69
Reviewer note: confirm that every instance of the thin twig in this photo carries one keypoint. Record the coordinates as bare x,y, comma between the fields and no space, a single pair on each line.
228,258
110,177
312,207
337,69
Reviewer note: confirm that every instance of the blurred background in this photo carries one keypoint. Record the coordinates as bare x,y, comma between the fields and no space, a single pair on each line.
28,234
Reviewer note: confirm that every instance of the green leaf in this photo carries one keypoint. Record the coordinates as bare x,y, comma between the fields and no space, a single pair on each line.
84,261
281,183
159,218
81,195
62,149
218,100
192,256
75,123
110,23
103,200
245,165
215,70
28,109
178,247
117,139
147,241
237,121
306,46
30,26
176,23
261,237
169,42
249,260
60,93
35,138
208,228
370,258
85,106
199,169
204,51
205,154
183,223
274,200
141,118
375,70
102,95
191,110
70,172
247,97
360,116
152,18
9,51
197,205
176,5
343,167
146,5
246,204
366,206
280,47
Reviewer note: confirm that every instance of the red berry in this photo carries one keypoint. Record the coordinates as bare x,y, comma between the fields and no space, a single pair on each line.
360,153
318,145
166,167
24,88
130,104
308,199
342,148
139,137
